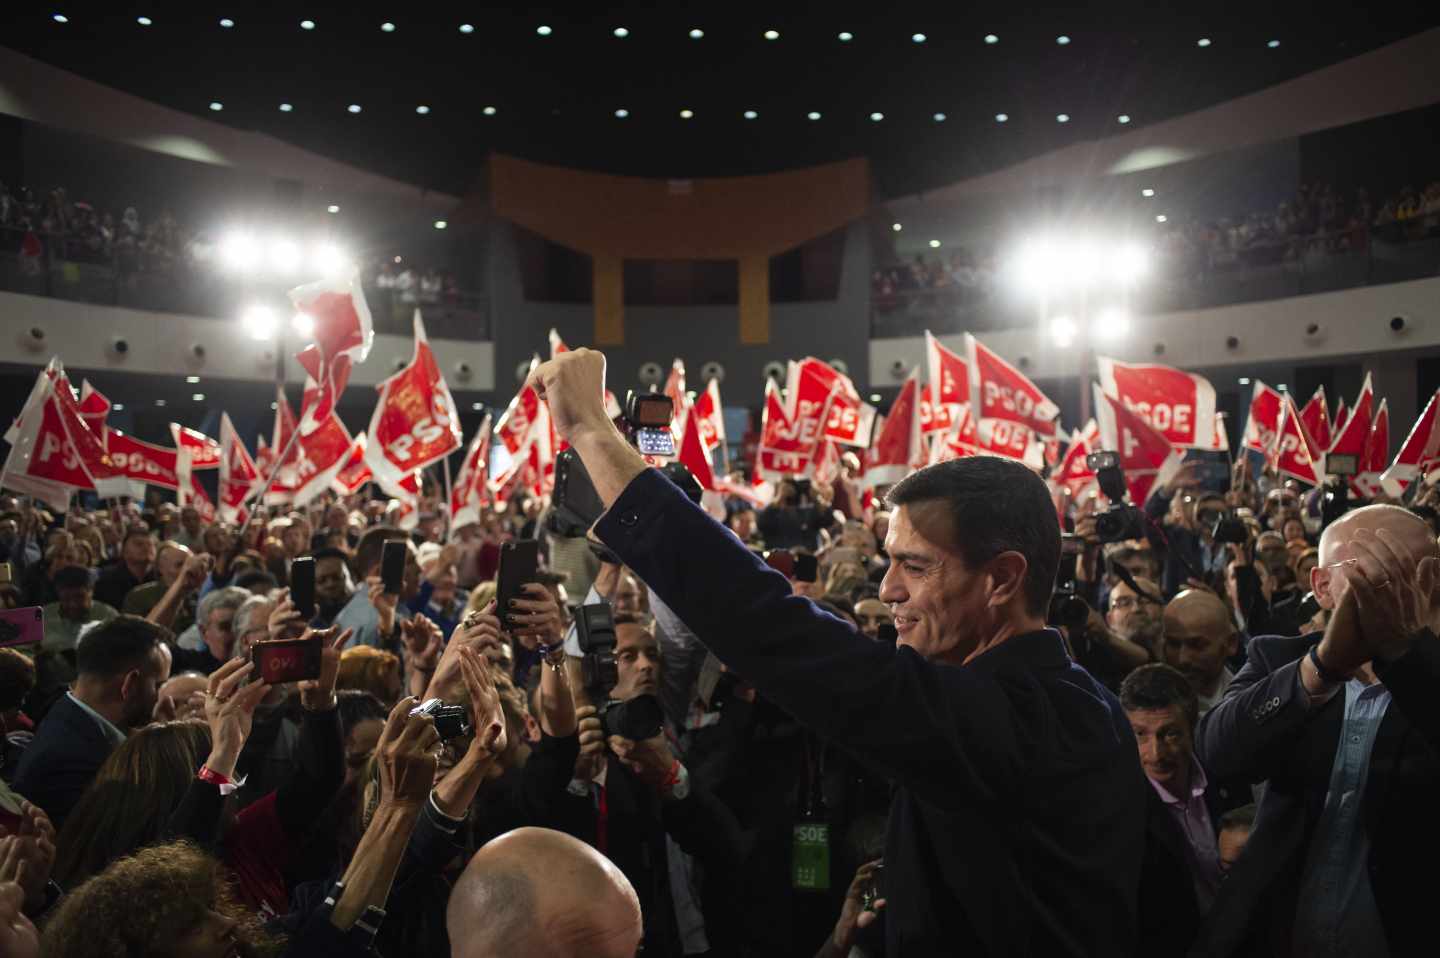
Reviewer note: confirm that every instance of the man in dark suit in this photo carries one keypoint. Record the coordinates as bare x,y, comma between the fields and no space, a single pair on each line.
1018,824
1346,729
121,665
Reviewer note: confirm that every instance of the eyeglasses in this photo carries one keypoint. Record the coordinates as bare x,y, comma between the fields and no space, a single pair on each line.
1125,603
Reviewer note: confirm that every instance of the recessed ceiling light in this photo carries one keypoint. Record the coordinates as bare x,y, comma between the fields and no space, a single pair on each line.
353,108
750,114
216,105
813,115
488,111
441,224
696,34
874,397
332,208
876,117
422,109
477,406
467,28
896,227
686,114
226,22
1203,42
1147,192
1122,119
192,380
118,407
543,30
197,397
286,108
934,244
144,21
621,114
1244,380
159,402
1001,117
1161,218
917,38
772,34
1063,40
307,24
1273,44
621,32
846,36
1062,118
387,27
939,118
59,18
991,39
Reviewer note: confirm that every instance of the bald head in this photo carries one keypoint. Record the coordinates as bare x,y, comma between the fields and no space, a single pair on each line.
1410,529
1199,637
539,892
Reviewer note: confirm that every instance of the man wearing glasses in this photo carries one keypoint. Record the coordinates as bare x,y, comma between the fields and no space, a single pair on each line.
1135,614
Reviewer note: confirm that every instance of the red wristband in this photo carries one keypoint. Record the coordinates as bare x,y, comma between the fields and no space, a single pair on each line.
207,774
671,777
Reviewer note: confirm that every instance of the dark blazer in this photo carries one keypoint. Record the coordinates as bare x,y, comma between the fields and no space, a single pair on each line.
1018,825
1263,730
67,751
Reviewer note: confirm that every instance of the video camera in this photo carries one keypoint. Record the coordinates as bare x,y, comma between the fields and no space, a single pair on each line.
1121,521
1335,500
1067,608
639,718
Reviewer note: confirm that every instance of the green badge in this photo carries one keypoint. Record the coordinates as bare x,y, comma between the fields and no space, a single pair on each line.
810,860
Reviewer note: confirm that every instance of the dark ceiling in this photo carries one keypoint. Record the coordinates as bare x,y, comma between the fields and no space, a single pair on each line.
555,96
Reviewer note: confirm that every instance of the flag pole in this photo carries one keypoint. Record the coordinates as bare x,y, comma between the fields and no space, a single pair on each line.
448,517
275,469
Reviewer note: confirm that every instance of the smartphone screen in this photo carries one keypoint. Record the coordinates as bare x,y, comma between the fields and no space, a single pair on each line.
392,565
519,560
287,660
302,586
22,627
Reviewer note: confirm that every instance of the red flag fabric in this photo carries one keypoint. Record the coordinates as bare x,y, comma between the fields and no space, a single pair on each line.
1417,452
1146,456
1340,415
557,345
900,449
1292,449
816,390
1315,416
1264,420
343,333
404,511
94,409
142,461
1180,405
1376,455
949,373
1000,391
693,454
675,389
415,421
469,492
1009,440
783,449
1222,437
238,474
934,416
322,454
204,451
711,416
959,440
189,491
1073,474
53,452
1350,441
355,472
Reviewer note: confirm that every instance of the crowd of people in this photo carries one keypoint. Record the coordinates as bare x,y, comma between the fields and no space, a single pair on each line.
33,223
833,723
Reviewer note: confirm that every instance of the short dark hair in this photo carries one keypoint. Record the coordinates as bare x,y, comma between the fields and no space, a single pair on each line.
135,532
372,543
256,577
994,505
117,646
1242,817
73,577
1158,686
330,552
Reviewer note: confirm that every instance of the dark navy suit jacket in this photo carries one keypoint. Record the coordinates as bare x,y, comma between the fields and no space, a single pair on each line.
66,752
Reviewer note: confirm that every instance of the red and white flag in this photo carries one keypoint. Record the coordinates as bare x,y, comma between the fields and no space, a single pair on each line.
321,455
783,449
1417,452
1291,454
675,389
711,416
355,472
1146,456
238,474
959,440
949,373
1010,440
1074,474
1340,414
53,452
1222,437
470,491
817,391
204,451
900,449
1000,391
1350,440
343,333
94,408
934,416
692,453
1315,416
1180,405
189,491
404,511
143,461
415,421
1263,423
1376,455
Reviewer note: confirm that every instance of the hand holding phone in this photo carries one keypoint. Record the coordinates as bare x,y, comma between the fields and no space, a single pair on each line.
519,561
392,565
302,586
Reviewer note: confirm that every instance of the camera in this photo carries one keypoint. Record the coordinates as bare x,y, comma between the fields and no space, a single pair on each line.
451,721
1334,501
637,719
1121,521
1230,531
645,420
1066,607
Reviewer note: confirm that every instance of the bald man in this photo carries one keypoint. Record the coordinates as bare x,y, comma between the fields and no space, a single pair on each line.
1199,636
543,894
1345,728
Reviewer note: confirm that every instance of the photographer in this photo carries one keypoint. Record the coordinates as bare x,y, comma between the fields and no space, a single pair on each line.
1189,548
796,517
999,744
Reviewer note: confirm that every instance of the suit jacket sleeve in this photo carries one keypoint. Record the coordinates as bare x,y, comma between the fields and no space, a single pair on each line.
702,825
1412,680
940,730
318,774
1262,717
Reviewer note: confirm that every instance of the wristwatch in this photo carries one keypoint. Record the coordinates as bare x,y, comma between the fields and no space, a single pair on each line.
1328,676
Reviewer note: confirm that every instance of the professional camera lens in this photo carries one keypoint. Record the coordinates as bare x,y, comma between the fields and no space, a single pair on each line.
638,719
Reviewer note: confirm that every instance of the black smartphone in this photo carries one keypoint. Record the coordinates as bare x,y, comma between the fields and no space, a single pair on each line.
807,567
519,561
302,586
286,660
392,565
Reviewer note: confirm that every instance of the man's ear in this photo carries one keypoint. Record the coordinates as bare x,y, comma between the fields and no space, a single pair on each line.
1007,578
1320,585
130,684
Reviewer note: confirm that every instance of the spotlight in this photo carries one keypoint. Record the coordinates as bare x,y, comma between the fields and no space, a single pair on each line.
193,380
144,21
353,108
329,258
1063,331
686,114
846,36
1111,324
216,105
1062,118
621,114
160,402
896,227
467,28
875,397
750,114
934,244
621,32
1283,387
991,39
488,111
1203,42
939,118
1063,40
772,35
1273,44
258,321
1122,119
286,108
197,397
332,208
303,324
876,117
441,224
284,256
422,109
1147,192
543,30
477,406
238,252
696,34
226,22
1161,218
118,407
813,115
1002,117
387,27
1129,264
60,18
1244,380
917,38
307,24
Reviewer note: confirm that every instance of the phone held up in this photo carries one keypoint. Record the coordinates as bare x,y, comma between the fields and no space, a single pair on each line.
519,561
286,660
302,586
392,565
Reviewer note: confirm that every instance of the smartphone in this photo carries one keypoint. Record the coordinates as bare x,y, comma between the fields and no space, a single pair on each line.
519,561
807,567
302,586
286,660
22,626
782,561
392,565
